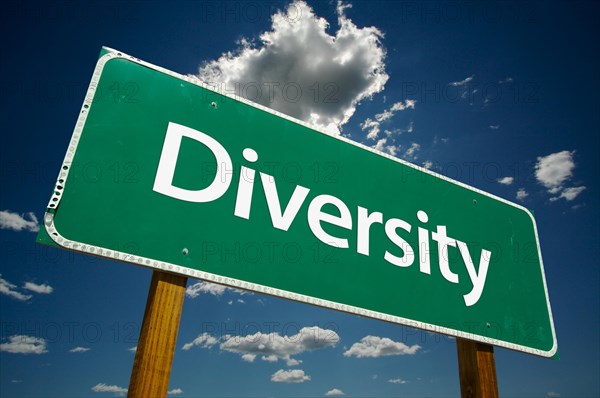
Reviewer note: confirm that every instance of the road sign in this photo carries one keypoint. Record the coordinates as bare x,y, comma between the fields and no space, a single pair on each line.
164,172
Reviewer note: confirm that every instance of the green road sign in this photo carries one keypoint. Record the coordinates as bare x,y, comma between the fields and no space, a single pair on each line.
164,172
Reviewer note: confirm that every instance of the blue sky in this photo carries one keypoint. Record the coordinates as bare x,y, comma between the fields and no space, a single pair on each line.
500,95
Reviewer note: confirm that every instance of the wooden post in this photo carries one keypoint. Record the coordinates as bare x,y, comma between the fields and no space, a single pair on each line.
477,369
156,346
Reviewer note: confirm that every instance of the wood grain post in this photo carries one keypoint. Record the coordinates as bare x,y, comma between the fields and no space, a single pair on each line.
156,346
477,369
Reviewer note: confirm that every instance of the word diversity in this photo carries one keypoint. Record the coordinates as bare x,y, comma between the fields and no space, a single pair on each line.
283,218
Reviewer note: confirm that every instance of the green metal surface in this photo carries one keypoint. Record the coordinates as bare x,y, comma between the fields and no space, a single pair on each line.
108,201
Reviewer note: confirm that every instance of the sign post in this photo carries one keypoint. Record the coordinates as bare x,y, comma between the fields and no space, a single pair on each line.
477,369
156,345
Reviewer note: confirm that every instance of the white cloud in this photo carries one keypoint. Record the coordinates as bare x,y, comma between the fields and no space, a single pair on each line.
522,194
554,170
397,381
199,288
196,289
428,164
553,394
508,79
9,289
204,340
392,149
17,222
299,69
273,347
175,391
21,344
41,289
292,362
569,193
79,349
494,126
374,347
506,180
101,387
373,127
290,376
462,82
248,357
411,152
380,146
391,111
334,393
132,349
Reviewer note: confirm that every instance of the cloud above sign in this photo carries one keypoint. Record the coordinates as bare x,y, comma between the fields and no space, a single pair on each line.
301,70
554,171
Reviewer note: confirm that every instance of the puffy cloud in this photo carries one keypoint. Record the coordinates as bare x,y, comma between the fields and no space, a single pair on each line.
334,393
372,126
299,69
292,362
273,347
248,357
17,222
392,149
506,180
380,146
522,194
175,391
204,340
290,376
79,349
411,152
270,347
21,344
554,170
397,381
41,289
9,290
101,387
569,193
428,164
374,347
